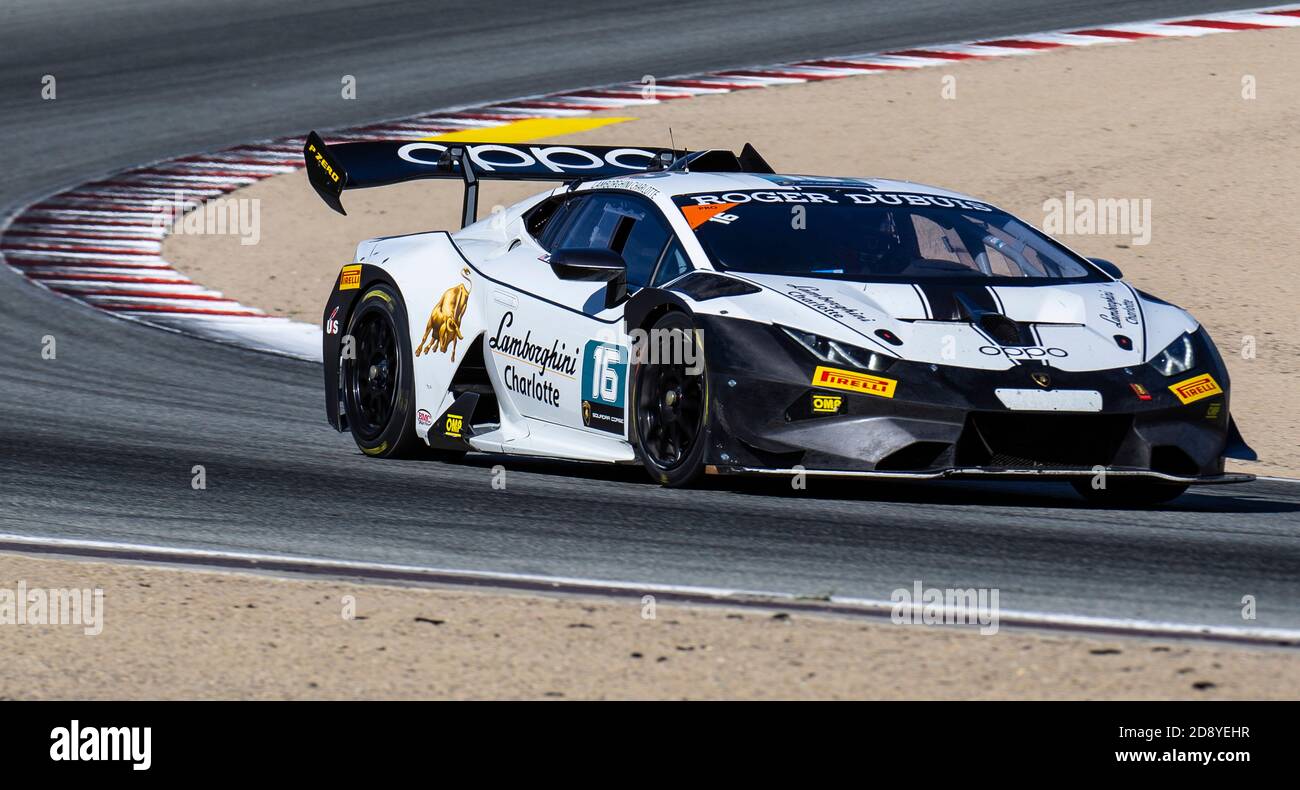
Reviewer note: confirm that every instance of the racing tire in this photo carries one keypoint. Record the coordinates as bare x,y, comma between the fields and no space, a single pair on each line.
670,409
1128,492
378,382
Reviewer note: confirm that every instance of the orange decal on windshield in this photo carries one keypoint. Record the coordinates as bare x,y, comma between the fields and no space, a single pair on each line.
698,215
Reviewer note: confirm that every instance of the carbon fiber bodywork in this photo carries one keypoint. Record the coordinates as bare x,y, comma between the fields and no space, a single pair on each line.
947,420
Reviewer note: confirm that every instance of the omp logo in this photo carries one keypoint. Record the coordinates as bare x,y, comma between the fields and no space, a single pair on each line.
555,158
350,277
1193,389
852,381
124,744
455,423
826,404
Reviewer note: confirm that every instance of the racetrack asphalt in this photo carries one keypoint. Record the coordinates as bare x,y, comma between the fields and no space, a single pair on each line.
100,442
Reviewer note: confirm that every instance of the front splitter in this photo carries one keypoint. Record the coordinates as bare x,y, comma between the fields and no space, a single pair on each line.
985,473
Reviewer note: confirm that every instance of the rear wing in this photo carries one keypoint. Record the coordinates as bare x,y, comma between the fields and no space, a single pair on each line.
334,168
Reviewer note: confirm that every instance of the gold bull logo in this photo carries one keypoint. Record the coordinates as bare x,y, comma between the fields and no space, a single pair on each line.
442,332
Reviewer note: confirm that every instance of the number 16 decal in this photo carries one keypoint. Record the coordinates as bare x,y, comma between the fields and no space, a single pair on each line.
604,383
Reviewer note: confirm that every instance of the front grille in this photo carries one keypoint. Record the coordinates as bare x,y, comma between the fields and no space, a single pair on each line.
1046,441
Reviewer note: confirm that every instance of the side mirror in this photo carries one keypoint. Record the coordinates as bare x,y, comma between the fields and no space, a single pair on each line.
1107,267
593,264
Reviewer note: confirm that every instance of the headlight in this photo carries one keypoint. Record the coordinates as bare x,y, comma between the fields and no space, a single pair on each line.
836,353
1179,357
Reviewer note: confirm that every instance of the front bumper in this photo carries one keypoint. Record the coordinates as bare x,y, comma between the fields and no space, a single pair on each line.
946,421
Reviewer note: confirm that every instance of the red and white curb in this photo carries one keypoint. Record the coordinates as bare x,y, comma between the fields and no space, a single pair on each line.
101,242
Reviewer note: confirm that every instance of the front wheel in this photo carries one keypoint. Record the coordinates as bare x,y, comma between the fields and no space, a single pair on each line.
378,384
670,403
1129,492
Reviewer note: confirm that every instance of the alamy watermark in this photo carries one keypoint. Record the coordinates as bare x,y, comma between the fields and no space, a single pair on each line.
53,606
923,605
216,217
662,346
1084,216
93,744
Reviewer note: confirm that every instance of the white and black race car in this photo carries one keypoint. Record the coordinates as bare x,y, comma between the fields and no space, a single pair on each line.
699,314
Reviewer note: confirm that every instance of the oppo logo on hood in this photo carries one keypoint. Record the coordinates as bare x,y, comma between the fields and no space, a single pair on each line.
1023,352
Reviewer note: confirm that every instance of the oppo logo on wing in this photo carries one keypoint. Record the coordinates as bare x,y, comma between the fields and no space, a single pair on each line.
1023,352
555,158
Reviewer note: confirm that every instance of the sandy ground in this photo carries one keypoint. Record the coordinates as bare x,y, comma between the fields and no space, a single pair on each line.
188,634
1163,120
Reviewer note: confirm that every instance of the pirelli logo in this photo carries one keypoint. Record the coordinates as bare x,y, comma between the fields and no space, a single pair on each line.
1193,389
852,381
350,277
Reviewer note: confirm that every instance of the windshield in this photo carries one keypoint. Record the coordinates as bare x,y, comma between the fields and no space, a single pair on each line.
861,235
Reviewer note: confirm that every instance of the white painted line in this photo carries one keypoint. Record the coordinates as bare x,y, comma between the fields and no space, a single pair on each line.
108,194
577,584
35,226
68,255
176,286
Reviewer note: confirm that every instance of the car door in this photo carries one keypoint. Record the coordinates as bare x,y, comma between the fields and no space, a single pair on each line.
560,352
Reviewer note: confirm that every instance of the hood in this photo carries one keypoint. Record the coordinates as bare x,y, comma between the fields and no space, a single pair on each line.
1071,326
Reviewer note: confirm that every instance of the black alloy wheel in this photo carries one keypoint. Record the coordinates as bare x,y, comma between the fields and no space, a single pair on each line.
377,379
671,403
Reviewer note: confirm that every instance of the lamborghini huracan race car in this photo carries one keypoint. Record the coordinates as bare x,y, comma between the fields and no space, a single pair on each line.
700,314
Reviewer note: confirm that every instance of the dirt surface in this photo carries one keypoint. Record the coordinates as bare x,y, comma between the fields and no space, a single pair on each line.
187,634
1160,120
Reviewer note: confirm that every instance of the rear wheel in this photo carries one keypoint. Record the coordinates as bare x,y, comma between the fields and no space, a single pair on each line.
670,404
1129,492
378,384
